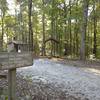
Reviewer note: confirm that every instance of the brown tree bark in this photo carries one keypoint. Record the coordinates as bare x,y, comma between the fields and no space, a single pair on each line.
95,31
2,26
30,26
43,23
84,29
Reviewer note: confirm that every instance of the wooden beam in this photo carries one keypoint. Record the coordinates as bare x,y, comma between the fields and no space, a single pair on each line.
3,76
52,39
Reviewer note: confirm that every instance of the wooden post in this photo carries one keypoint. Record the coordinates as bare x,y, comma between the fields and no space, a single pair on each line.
12,84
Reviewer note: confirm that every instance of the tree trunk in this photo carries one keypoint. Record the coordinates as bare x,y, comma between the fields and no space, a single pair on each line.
95,31
84,29
2,26
70,30
43,23
65,30
30,26
52,27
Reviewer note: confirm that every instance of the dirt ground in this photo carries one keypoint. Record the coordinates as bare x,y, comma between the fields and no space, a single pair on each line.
72,78
78,63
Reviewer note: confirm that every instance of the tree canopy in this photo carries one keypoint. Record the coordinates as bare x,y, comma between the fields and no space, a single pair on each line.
74,23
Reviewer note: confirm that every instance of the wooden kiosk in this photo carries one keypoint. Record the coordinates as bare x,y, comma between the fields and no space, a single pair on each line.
11,61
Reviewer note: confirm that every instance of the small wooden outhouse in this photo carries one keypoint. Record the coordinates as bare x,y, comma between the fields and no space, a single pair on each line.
15,46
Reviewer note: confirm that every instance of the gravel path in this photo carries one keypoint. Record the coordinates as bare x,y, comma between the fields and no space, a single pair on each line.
77,83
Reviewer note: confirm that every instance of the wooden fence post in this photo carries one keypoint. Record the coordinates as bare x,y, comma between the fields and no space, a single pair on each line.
12,84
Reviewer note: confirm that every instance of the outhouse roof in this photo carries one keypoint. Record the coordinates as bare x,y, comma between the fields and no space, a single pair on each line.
17,42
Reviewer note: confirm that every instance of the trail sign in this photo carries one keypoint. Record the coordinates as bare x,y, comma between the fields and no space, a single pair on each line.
17,56
15,60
